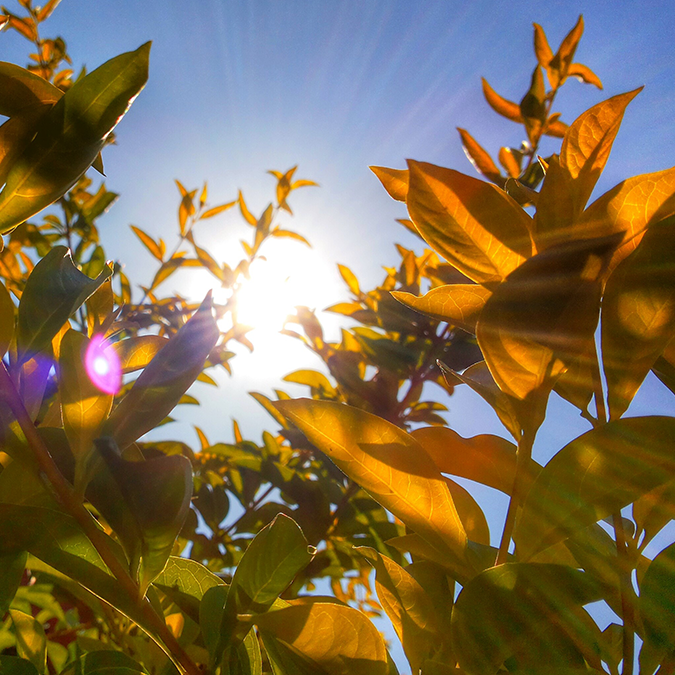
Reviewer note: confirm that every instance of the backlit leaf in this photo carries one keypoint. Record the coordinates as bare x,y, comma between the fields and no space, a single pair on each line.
458,304
542,49
543,315
638,314
22,89
136,353
479,157
336,639
504,107
31,642
472,516
584,74
70,136
409,608
395,181
148,242
108,662
594,476
472,224
387,463
84,406
165,379
54,290
209,213
7,320
522,610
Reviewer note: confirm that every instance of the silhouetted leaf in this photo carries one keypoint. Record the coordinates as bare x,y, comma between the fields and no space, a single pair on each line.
165,379
54,290
594,476
472,224
15,665
7,320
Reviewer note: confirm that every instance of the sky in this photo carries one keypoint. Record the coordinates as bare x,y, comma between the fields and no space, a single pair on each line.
238,87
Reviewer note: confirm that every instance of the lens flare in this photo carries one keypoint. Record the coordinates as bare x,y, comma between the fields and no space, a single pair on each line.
103,365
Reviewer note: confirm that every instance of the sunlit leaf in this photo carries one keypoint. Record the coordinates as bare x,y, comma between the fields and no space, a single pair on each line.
472,224
148,242
563,57
542,49
524,610
584,74
543,315
31,642
387,463
510,161
395,181
278,232
408,607
479,157
594,476
209,213
70,136
336,639
458,304
54,290
638,314
165,379
472,516
136,353
504,107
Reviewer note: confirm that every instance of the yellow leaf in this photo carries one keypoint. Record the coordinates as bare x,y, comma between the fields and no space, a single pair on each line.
136,352
395,181
350,279
388,464
630,207
209,213
542,49
563,58
543,315
638,314
7,320
248,216
474,225
555,127
480,158
458,304
339,640
278,232
584,74
303,183
471,515
508,160
504,107
148,242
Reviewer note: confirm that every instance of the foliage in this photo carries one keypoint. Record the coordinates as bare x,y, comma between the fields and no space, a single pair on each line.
507,301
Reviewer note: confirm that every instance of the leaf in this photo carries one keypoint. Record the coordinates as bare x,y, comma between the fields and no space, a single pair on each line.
395,181
7,320
248,216
584,74
84,406
54,291
71,135
480,158
638,314
350,279
337,640
500,105
20,89
165,379
156,496
409,608
209,213
594,476
474,225
108,662
544,315
541,47
522,610
533,106
136,353
486,459
284,660
148,242
278,232
386,462
510,161
563,57
31,642
458,304
245,658
12,566
657,608
630,208
14,665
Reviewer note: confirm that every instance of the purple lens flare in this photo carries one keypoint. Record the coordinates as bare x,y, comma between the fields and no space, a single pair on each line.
103,365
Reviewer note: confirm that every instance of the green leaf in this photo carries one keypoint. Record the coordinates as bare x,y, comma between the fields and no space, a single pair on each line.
544,315
284,660
107,662
31,642
14,665
458,304
12,566
84,406
7,320
528,611
474,225
54,291
245,658
657,606
166,378
336,639
386,462
71,135
211,609
22,89
638,314
594,476
157,494
409,608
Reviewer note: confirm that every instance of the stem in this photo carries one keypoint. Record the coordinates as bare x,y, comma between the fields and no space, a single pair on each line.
626,600
86,521
523,458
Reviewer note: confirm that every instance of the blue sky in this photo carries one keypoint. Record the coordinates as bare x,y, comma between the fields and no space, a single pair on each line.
239,87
